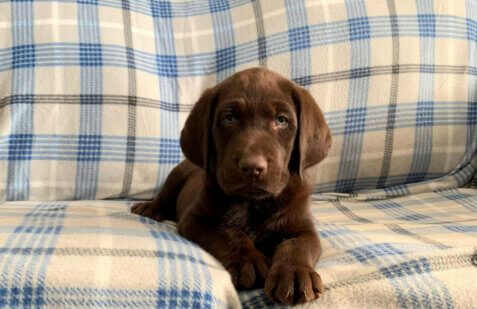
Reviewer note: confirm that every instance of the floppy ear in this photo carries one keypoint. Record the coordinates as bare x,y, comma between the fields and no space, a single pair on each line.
314,138
196,138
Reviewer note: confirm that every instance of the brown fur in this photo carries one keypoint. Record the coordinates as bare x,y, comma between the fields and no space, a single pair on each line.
241,193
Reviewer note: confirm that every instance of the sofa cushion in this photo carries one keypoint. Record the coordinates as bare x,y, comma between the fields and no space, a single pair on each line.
97,254
417,251
93,94
414,251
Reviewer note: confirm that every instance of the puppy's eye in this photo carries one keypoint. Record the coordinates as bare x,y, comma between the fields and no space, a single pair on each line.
229,118
281,121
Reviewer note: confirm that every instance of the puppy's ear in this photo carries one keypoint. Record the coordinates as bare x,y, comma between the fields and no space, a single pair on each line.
313,138
196,137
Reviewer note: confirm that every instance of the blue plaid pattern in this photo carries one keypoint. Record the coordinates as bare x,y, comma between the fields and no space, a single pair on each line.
98,254
299,38
89,148
20,147
23,56
164,271
167,65
372,252
161,9
225,58
427,25
384,260
94,93
359,28
220,5
90,54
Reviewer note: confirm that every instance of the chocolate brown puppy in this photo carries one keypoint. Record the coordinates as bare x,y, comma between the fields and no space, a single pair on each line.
241,193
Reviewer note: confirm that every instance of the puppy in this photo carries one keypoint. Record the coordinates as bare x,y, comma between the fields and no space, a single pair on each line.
241,193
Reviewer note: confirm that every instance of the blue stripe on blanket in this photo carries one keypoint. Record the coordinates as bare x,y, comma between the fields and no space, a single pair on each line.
197,64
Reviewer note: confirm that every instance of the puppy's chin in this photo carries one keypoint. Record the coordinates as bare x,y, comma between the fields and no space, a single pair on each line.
255,193
250,193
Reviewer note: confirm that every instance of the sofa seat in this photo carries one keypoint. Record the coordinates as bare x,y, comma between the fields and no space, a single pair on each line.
98,254
411,251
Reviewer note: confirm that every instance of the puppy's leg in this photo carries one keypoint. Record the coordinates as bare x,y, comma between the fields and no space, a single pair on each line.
292,278
247,266
163,207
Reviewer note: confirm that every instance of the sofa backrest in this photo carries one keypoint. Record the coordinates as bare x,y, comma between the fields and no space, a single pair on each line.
93,94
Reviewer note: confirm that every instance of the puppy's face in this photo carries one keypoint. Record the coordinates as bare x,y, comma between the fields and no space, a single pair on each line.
253,131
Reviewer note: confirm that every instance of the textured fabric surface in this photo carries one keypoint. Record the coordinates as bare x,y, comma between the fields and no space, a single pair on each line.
93,94
473,184
418,251
97,254
404,252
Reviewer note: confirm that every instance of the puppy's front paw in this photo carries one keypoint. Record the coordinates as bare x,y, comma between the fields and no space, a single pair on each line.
292,284
248,270
147,209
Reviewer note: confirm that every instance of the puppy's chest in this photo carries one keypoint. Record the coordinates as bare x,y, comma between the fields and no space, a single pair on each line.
256,219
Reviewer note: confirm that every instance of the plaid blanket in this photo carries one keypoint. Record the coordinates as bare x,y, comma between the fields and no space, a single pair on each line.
418,251
93,93
97,254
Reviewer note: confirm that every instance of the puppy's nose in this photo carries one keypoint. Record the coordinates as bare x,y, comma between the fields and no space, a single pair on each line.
253,166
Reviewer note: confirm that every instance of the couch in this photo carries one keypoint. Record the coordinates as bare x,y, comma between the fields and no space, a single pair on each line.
94,93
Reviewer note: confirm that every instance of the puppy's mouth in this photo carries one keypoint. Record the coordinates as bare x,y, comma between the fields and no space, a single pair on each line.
253,191
257,193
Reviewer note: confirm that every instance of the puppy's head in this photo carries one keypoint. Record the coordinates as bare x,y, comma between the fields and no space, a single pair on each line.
254,130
